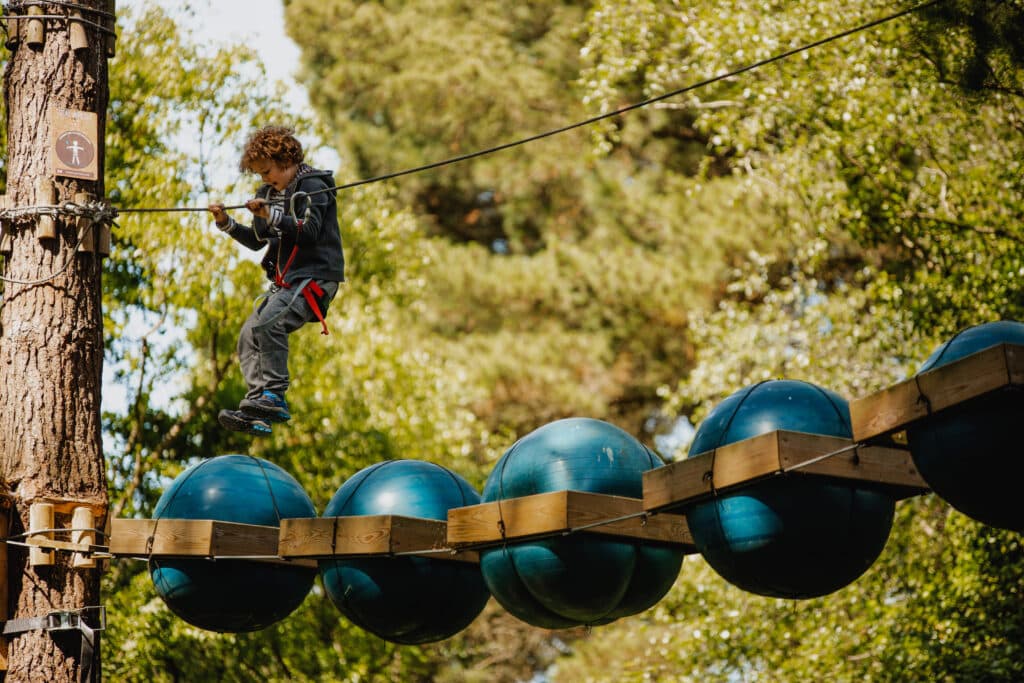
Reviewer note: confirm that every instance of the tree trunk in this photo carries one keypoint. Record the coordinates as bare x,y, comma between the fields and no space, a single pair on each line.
51,342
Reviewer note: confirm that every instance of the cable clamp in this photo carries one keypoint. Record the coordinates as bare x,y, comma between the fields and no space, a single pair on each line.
60,620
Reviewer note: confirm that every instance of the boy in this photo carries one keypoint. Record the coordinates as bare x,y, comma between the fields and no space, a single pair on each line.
304,262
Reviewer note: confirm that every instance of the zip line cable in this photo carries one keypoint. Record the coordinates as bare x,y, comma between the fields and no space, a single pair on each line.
594,119
115,211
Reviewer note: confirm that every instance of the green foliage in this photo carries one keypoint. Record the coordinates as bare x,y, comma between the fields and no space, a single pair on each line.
828,218
417,82
899,195
988,34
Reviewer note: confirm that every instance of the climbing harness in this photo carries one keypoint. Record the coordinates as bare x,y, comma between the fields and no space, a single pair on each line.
308,288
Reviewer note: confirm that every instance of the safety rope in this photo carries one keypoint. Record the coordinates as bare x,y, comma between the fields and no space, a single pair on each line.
97,212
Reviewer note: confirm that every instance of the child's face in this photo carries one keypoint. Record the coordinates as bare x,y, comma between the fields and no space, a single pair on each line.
273,173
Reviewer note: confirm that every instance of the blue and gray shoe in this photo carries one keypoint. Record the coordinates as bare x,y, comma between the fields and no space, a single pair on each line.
237,421
267,406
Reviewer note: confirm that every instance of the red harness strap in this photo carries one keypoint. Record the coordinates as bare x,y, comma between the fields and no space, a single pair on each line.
310,292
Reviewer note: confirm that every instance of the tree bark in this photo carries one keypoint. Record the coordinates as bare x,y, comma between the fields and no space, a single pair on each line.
51,342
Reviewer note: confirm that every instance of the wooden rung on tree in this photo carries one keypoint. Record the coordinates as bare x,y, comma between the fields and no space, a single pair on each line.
40,517
11,43
559,513
46,195
367,536
776,453
78,38
199,538
36,30
86,235
895,408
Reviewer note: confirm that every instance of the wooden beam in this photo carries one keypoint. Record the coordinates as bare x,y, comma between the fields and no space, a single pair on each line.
190,538
774,453
891,468
560,513
900,405
700,476
198,538
367,536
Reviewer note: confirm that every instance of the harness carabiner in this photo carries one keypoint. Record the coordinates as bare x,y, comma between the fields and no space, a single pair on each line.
291,207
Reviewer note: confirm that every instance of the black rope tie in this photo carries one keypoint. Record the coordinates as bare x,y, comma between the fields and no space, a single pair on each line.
270,489
922,398
709,475
334,538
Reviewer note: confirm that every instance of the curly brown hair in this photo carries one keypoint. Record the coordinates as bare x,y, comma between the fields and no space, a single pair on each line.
273,143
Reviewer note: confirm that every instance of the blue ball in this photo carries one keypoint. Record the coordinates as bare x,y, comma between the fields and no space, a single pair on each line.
405,599
971,454
788,536
581,578
232,596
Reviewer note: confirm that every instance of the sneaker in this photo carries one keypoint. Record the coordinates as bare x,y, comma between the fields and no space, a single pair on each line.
237,421
267,406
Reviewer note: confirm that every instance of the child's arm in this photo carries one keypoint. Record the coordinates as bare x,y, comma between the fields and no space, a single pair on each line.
241,233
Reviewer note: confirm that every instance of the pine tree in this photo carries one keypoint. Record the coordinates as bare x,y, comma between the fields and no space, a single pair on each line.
51,343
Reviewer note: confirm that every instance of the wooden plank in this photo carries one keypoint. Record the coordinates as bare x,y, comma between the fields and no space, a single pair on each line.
543,513
410,534
890,468
898,406
145,537
191,538
591,512
230,538
777,453
683,480
699,477
367,535
306,537
742,461
561,512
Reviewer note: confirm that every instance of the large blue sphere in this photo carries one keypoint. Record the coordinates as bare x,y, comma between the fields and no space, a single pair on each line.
232,595
971,454
788,536
581,578
405,599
